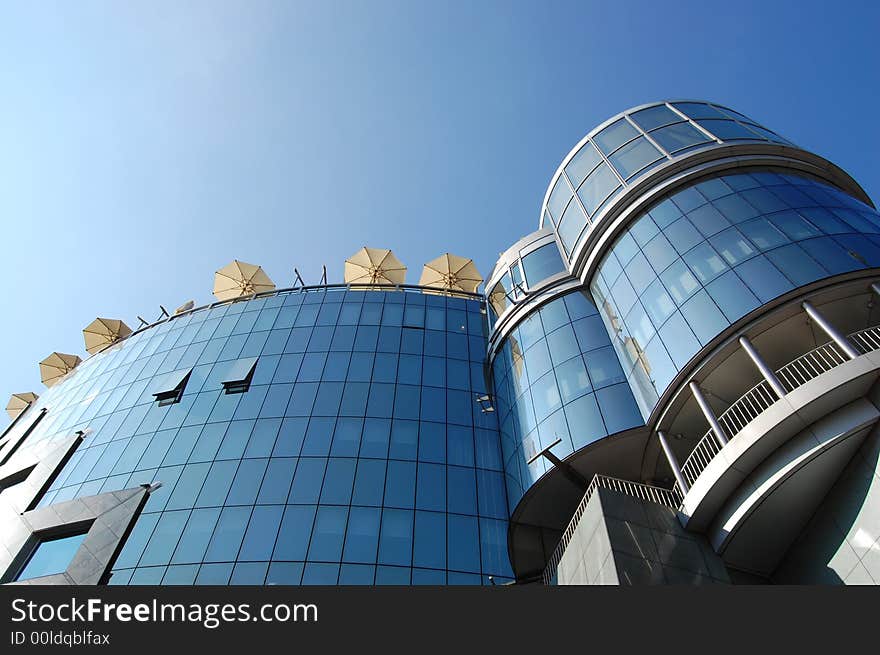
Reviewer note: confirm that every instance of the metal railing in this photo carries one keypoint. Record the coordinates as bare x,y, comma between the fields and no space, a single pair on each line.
760,397
703,453
810,365
866,340
667,497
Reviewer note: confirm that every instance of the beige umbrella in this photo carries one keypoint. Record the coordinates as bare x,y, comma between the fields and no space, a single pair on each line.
19,402
374,266
101,332
185,307
239,279
452,273
56,366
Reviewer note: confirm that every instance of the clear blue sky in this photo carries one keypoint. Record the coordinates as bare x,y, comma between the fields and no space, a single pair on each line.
145,144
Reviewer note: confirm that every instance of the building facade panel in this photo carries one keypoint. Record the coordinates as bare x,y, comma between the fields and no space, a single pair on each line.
707,255
356,455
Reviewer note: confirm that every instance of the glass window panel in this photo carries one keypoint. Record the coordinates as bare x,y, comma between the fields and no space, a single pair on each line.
619,409
679,281
704,317
572,379
51,556
559,197
188,486
831,255
793,225
374,440
460,445
463,544
432,442
431,487
598,186
634,156
328,534
729,130
655,116
259,540
493,546
429,548
284,573
678,137
797,265
714,188
461,487
763,278
698,110
570,227
665,213
763,234
228,534
708,220
320,574
705,263
542,263
306,487
338,481
590,332
396,537
732,296
683,235
347,437
660,253
247,482
562,344
615,135
582,163
603,367
733,246
296,529
362,535
276,482
657,303
369,482
400,485
492,497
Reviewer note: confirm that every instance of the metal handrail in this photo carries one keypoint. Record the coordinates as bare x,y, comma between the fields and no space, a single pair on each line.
759,398
667,497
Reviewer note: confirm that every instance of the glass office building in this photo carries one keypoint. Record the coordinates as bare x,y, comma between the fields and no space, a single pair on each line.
672,380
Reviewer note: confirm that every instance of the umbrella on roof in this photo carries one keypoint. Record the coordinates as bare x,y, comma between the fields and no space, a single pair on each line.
185,307
452,273
56,366
19,402
240,279
374,266
101,332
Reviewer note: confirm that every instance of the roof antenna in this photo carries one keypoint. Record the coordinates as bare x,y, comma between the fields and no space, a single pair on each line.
324,274
164,311
299,278
143,322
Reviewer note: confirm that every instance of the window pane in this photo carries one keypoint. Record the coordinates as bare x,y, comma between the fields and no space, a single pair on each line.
582,163
615,135
653,117
678,137
597,187
634,156
51,557
542,263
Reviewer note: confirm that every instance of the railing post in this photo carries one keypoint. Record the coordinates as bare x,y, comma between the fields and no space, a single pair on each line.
719,432
830,330
765,370
673,462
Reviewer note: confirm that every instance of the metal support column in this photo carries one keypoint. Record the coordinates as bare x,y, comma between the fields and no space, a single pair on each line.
719,432
830,330
673,462
765,370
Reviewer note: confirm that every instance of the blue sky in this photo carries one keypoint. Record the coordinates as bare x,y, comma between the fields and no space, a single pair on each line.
143,145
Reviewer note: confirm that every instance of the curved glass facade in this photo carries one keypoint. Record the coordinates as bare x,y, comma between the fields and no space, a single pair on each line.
708,254
355,455
556,376
611,158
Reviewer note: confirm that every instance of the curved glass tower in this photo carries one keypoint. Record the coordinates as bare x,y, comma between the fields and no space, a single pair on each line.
673,380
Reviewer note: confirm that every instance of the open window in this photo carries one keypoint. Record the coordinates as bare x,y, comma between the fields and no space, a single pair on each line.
169,389
237,379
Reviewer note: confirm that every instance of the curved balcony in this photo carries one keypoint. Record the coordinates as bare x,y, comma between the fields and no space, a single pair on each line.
761,397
